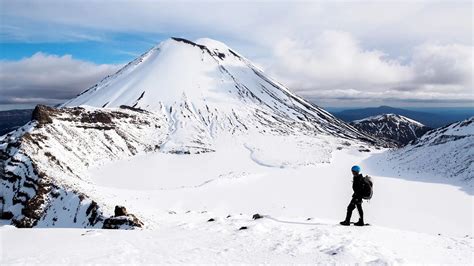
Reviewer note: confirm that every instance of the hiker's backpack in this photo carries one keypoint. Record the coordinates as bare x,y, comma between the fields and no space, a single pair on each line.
366,187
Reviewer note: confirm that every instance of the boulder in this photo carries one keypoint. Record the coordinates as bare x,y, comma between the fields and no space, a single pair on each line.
122,220
42,114
120,211
128,221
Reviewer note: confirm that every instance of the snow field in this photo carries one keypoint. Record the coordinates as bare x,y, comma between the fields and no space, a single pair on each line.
189,238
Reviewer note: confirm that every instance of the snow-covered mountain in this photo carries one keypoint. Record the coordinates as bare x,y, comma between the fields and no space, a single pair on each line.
204,88
180,97
444,152
397,130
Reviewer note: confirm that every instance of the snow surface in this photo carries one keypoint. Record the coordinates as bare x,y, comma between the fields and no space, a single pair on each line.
445,154
222,141
191,240
175,195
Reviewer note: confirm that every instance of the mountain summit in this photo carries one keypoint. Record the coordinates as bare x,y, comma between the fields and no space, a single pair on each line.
205,87
397,130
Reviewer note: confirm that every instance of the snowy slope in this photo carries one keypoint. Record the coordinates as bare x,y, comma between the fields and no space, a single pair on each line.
206,88
230,186
446,152
265,242
397,130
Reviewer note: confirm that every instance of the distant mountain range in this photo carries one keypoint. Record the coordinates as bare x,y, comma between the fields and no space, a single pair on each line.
12,119
430,119
396,130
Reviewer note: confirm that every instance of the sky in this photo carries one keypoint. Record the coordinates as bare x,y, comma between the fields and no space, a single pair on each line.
336,54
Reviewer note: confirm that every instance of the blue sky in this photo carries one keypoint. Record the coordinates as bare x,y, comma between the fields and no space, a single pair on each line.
359,53
115,48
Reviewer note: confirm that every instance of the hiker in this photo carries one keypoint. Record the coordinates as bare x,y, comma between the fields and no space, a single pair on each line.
362,187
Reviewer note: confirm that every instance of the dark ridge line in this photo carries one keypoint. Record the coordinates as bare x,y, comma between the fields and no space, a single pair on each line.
234,53
133,108
139,98
189,42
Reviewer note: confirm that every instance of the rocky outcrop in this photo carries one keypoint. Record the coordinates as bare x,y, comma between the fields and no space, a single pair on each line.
122,220
43,164
42,114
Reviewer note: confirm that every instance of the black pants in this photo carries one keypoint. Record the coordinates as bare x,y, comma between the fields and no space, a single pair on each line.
355,202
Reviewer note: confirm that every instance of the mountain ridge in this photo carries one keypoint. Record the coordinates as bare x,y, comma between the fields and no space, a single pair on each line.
395,129
429,118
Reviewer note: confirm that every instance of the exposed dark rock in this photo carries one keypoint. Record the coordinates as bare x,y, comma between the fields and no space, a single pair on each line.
139,98
93,213
234,53
243,228
128,221
43,113
189,42
211,220
97,127
120,211
257,216
221,55
33,208
133,109
6,215
96,117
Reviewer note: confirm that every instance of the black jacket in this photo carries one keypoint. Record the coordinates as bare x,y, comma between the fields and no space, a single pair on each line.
357,186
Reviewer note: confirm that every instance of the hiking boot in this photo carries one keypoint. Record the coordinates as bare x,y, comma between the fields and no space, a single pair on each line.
346,223
359,223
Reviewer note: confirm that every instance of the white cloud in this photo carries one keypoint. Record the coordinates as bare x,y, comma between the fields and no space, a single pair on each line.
335,66
44,78
362,50
443,64
334,60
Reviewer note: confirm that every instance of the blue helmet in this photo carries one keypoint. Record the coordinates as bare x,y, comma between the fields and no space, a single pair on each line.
355,168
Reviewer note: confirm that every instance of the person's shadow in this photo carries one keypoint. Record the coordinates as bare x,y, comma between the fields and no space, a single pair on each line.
292,222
